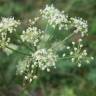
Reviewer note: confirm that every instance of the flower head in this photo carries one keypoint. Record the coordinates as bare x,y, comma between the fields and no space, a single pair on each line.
54,17
31,35
7,25
78,55
42,59
80,25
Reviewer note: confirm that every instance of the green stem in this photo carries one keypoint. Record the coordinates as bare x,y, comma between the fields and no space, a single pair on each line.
46,27
68,37
18,51
65,57
17,37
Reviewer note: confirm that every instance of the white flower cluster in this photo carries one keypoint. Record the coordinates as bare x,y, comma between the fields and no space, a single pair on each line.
23,65
44,56
4,40
31,35
32,22
80,25
42,59
24,68
54,17
7,25
77,54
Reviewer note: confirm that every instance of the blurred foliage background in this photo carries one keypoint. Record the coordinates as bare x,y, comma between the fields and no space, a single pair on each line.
66,80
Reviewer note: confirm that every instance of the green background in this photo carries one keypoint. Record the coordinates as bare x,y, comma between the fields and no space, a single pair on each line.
66,80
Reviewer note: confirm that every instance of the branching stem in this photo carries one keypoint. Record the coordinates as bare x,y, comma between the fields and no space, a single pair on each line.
18,51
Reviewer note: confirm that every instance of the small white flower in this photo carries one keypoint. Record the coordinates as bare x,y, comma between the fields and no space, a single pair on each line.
48,70
80,57
35,77
92,58
30,79
64,55
26,77
71,53
80,40
68,47
75,49
79,64
73,43
84,52
87,61
73,59
81,45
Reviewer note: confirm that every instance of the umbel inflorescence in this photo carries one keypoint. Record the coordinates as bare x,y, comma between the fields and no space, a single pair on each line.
46,44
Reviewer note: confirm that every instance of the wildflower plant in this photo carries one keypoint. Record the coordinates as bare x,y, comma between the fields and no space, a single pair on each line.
46,44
